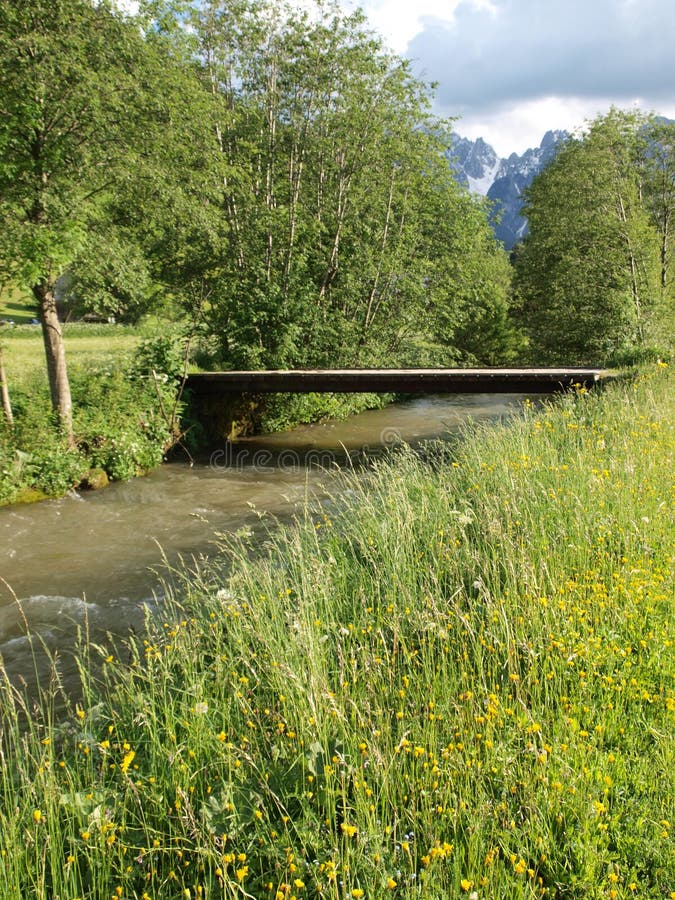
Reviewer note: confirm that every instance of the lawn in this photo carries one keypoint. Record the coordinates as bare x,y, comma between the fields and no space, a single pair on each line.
98,345
16,306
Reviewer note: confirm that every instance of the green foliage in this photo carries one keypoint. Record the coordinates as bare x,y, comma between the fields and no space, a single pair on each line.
122,421
66,81
111,278
91,108
588,272
280,411
481,329
455,677
54,469
639,355
658,173
33,454
657,166
277,172
165,355
125,454
335,233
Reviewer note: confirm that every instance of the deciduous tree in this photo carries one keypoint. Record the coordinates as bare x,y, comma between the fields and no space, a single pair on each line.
347,238
587,273
658,162
84,114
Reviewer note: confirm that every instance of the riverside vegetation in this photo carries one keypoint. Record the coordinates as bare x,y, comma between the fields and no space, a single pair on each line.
454,681
128,408
275,177
125,411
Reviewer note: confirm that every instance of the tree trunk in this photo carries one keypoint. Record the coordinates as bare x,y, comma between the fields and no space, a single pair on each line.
664,254
6,405
59,385
634,280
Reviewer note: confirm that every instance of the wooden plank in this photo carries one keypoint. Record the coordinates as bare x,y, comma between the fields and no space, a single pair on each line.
408,381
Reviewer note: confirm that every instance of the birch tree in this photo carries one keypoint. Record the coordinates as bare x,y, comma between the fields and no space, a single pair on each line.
659,197
344,223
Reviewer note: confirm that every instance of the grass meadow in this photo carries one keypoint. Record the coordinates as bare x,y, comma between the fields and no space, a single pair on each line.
86,345
453,680
16,305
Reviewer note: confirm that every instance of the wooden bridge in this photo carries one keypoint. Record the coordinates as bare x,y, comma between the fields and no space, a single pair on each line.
217,396
400,381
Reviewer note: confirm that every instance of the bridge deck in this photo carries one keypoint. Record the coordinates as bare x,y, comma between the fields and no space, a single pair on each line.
407,381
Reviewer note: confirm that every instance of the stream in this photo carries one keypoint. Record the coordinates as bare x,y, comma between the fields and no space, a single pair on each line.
96,559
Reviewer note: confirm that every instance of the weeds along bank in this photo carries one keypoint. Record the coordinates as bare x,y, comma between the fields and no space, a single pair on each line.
126,418
458,683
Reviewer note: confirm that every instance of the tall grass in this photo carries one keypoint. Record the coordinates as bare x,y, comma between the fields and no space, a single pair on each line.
453,680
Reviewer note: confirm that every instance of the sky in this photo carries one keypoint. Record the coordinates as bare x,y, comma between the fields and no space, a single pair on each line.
513,69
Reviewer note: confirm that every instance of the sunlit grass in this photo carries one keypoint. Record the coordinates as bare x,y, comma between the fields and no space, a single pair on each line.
454,680
24,353
15,306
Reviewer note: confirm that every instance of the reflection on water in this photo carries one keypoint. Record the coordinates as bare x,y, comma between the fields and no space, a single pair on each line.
91,561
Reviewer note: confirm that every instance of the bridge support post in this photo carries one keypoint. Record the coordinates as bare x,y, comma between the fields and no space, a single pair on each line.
223,417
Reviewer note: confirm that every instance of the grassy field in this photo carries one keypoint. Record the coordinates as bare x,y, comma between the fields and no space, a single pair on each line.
97,345
15,306
86,344
454,680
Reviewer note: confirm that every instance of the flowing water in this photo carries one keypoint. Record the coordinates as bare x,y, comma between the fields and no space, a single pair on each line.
95,560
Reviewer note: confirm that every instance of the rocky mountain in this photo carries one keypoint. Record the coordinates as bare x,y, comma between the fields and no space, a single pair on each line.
476,164
503,181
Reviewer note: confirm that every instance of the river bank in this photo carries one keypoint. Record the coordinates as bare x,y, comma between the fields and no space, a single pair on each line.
130,410
457,680
94,559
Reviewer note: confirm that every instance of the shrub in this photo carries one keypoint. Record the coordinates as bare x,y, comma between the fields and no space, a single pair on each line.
123,422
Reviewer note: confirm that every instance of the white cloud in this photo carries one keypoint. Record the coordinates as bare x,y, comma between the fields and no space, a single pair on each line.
399,21
513,69
513,128
566,48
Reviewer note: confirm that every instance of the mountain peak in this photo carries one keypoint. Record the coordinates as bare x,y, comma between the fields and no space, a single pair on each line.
552,138
477,167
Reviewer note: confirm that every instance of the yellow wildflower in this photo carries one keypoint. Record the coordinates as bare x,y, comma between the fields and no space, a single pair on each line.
127,761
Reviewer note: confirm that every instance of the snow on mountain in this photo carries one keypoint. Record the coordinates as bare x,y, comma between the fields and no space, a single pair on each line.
503,181
475,163
482,184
